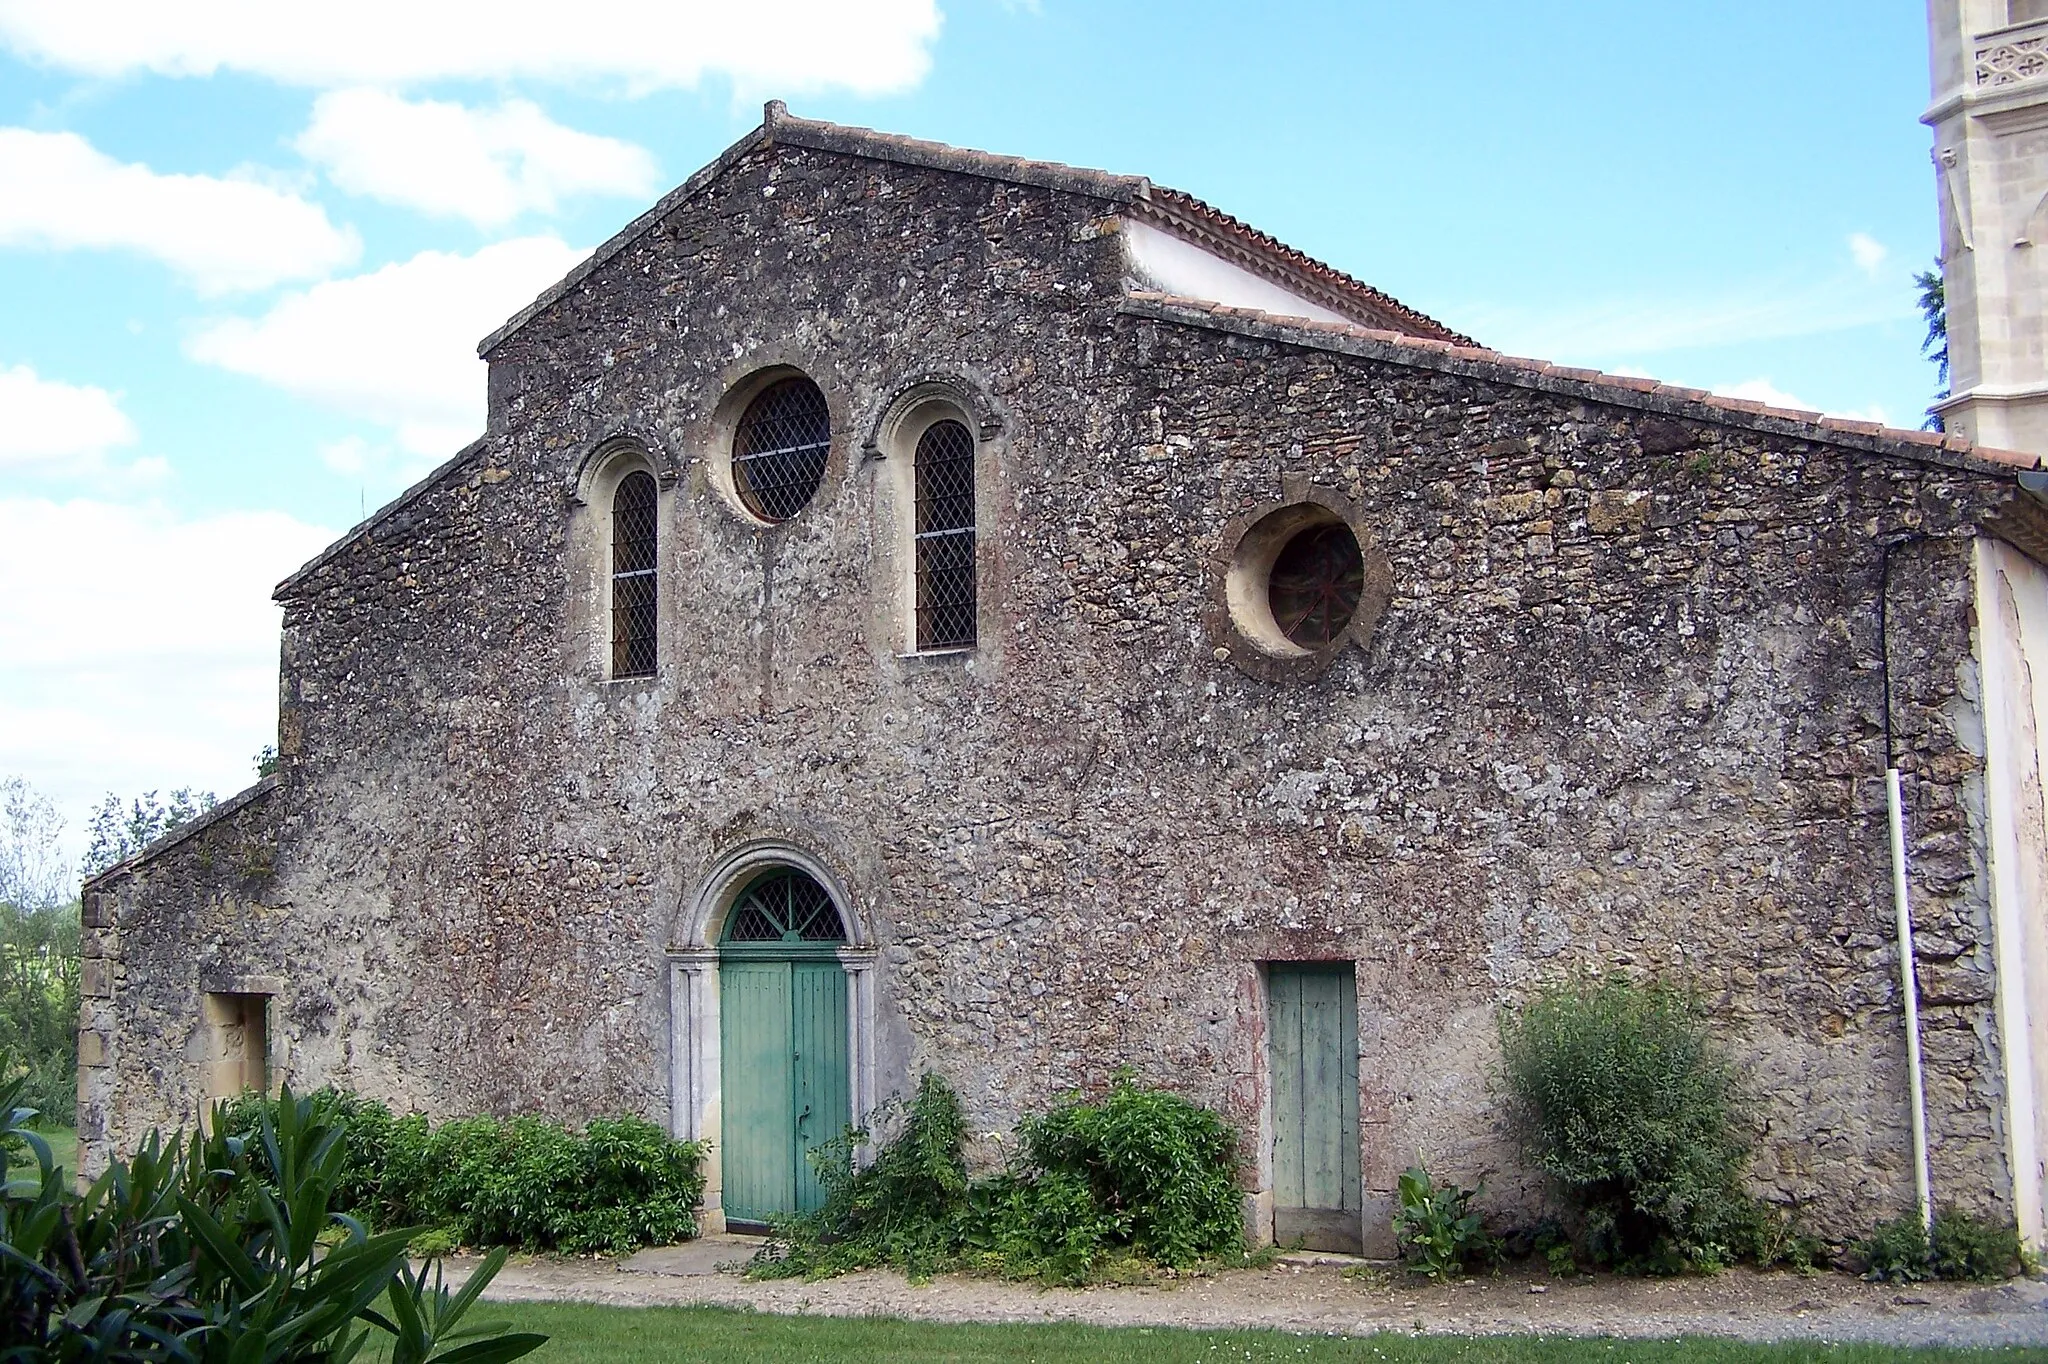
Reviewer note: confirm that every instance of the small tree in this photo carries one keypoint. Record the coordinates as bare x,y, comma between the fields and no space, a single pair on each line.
38,953
1624,1100
33,872
39,1005
1933,302
117,832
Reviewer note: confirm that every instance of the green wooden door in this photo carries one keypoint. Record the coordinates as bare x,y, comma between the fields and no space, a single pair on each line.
1313,1045
759,1112
820,1075
783,1049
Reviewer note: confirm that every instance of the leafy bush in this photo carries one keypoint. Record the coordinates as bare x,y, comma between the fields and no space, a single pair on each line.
1164,1169
1773,1240
1143,1174
1896,1252
39,1005
1435,1226
1967,1247
186,1253
1961,1247
908,1208
618,1185
1625,1101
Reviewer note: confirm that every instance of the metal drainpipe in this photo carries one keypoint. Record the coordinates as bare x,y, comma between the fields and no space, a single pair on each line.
1909,987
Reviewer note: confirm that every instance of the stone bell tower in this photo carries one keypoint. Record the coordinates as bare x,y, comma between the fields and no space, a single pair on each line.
1990,121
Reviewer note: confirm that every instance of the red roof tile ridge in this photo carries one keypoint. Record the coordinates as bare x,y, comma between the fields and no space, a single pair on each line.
1169,203
2017,458
1599,379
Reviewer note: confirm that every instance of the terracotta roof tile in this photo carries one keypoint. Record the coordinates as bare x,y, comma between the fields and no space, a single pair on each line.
1176,207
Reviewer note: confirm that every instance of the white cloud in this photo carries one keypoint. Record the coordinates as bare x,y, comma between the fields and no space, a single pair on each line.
865,46
1765,392
379,467
1770,395
58,192
1868,252
51,427
396,346
486,165
349,455
141,646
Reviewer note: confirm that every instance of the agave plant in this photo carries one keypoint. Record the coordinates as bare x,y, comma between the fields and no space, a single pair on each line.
185,1253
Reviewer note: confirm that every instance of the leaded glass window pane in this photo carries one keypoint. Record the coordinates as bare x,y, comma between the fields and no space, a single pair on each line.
784,906
1316,585
635,541
779,450
945,536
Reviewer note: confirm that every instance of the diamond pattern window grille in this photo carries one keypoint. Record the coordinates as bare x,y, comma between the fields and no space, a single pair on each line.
784,906
634,543
945,536
1315,585
778,452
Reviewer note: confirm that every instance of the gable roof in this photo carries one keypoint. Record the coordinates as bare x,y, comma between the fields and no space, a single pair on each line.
1386,329
1181,214
1616,389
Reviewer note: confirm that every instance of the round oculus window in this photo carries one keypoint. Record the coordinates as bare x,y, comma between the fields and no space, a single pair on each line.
779,449
1315,585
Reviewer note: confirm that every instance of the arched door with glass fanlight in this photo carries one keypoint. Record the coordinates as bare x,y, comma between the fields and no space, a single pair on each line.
782,1042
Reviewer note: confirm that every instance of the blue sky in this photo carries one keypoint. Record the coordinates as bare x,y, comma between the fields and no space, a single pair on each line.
244,262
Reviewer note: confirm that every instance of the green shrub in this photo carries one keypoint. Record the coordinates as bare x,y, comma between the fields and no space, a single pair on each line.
1896,1252
39,1005
1962,1247
186,1253
906,1208
1966,1247
1775,1241
1435,1226
1142,1176
618,1185
1624,1100
1163,1168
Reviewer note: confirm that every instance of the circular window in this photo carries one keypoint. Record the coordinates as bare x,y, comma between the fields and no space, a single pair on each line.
779,449
1316,582
1299,581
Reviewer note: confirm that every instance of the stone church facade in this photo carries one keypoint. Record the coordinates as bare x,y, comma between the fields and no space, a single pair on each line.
915,609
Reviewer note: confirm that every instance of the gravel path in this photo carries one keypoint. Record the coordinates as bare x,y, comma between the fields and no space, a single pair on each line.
1313,1295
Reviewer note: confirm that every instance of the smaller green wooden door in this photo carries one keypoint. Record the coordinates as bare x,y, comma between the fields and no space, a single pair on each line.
783,1052
1313,1052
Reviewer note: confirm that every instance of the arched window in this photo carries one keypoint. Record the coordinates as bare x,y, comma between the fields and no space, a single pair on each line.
784,906
945,536
634,543
779,449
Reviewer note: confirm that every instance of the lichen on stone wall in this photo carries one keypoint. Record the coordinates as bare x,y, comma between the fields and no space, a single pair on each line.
1621,714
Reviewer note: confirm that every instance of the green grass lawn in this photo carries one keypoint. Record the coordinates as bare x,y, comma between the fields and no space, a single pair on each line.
63,1146
702,1335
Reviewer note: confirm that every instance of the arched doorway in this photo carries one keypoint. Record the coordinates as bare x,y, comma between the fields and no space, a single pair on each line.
782,1042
